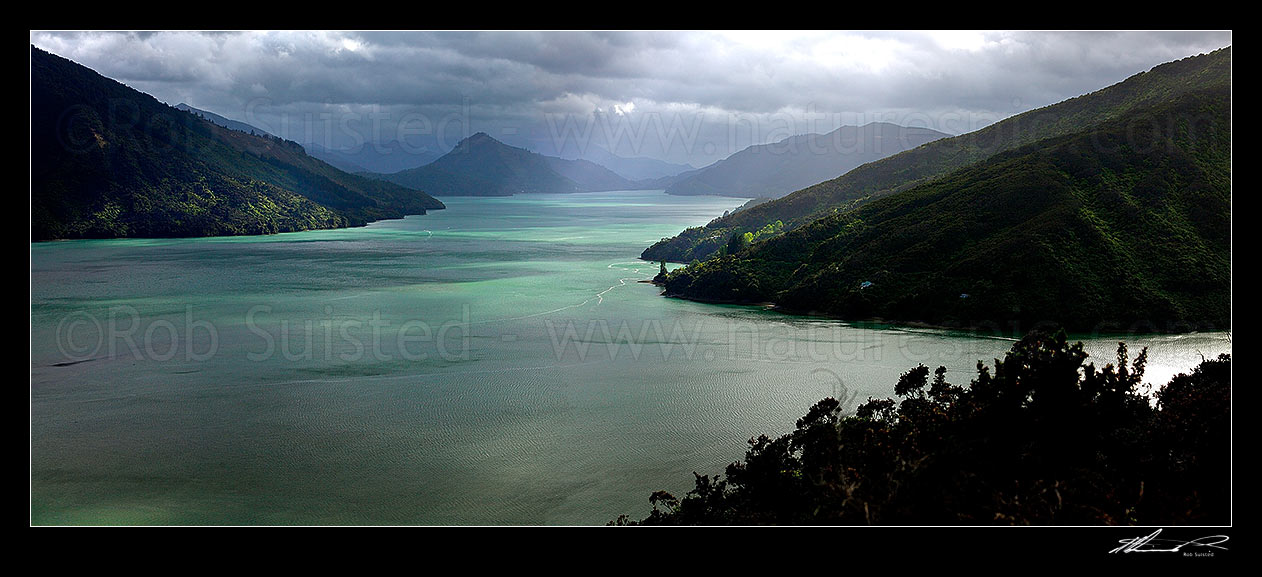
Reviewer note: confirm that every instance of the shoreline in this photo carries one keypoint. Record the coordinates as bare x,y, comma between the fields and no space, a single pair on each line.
357,225
988,329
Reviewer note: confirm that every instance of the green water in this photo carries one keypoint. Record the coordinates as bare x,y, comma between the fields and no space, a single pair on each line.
492,363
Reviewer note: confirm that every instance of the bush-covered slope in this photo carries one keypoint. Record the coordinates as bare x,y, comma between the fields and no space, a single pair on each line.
1126,225
109,161
904,170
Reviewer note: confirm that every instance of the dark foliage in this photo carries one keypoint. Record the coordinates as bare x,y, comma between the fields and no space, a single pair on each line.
922,164
1124,226
109,161
1044,439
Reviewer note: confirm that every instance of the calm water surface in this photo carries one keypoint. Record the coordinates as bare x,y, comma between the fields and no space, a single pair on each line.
493,363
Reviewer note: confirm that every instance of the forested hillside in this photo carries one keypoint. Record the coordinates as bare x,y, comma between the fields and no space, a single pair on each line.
109,161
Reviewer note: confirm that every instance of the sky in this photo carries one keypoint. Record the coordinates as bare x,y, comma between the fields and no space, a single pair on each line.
682,96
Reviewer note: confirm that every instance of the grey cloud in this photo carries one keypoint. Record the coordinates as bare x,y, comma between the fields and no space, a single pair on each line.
506,82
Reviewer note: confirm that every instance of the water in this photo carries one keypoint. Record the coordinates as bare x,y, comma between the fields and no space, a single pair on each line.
493,363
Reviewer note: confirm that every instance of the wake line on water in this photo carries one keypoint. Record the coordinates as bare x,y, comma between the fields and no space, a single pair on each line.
930,331
599,297
353,296
360,379
529,316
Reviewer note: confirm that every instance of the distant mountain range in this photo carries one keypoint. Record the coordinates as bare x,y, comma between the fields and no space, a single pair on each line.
634,168
223,121
776,169
380,157
599,169
483,166
110,161
1109,211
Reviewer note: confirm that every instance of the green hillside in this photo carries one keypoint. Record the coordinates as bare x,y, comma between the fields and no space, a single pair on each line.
1124,225
907,169
109,161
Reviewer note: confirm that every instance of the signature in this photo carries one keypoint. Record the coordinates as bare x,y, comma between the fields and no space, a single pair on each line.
1151,544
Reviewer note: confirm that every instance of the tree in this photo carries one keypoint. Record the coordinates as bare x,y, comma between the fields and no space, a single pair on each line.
737,242
661,275
1045,438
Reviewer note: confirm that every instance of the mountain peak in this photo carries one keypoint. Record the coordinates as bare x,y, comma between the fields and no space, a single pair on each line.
480,165
478,137
799,161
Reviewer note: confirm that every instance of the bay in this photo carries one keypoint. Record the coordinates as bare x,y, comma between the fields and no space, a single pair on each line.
497,362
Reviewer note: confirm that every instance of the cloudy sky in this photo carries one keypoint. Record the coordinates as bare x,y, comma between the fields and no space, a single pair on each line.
677,95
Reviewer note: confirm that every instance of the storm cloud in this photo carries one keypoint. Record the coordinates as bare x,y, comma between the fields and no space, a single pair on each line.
682,96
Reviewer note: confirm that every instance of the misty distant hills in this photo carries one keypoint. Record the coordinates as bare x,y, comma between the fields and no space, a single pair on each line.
109,161
776,169
483,166
636,168
224,121
597,169
588,175
480,165
378,157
